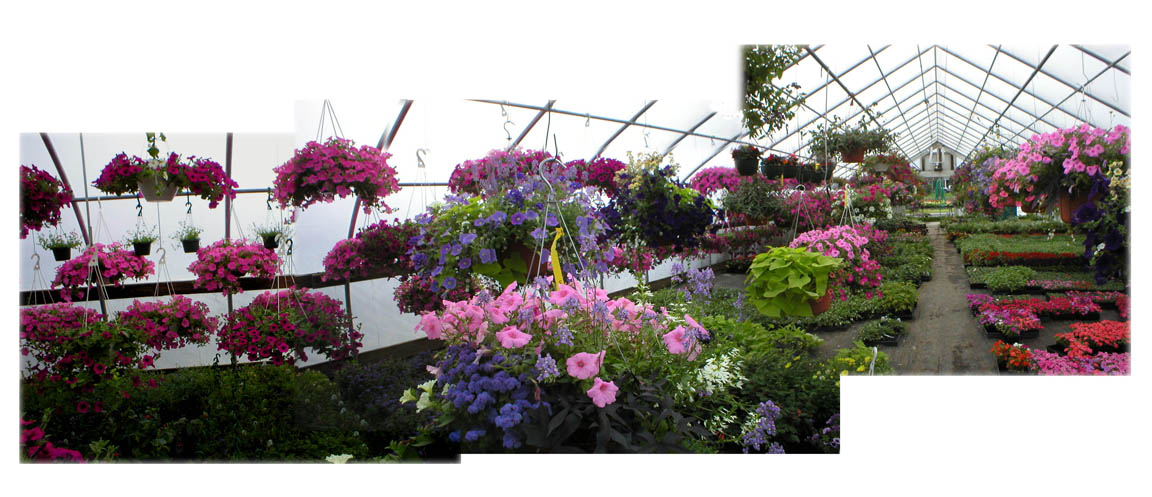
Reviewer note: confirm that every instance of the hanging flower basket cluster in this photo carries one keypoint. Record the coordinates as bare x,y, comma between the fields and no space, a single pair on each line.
600,173
41,198
114,264
159,180
859,272
379,250
221,265
320,172
170,325
72,345
280,325
500,171
418,294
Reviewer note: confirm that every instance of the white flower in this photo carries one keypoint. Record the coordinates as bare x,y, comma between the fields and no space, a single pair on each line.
338,458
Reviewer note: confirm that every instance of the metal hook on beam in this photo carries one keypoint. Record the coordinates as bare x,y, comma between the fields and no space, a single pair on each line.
420,153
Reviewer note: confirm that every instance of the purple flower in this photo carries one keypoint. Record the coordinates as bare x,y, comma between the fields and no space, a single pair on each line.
464,263
437,270
497,217
546,366
479,222
467,238
456,249
551,220
538,233
487,255
517,219
449,283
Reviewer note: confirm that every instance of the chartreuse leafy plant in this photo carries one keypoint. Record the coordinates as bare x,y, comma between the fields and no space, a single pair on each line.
783,280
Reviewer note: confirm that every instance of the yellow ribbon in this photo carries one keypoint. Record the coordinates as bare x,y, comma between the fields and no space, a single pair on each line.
559,275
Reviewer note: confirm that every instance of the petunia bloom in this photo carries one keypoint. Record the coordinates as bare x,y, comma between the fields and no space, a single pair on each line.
584,365
512,338
603,392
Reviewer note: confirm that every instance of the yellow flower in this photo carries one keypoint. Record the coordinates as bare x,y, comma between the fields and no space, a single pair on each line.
787,365
861,368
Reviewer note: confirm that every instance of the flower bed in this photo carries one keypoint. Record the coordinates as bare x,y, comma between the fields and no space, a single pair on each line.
280,325
42,197
114,265
320,172
1102,364
221,265
1086,339
1014,357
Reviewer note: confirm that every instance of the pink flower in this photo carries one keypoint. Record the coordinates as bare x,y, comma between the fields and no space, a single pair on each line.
560,296
603,392
512,338
584,365
675,340
431,326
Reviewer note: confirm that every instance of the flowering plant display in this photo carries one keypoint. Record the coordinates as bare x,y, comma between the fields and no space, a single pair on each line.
320,172
114,263
170,325
972,183
652,208
756,202
42,196
870,203
418,294
600,173
53,241
839,141
1106,225
33,446
380,249
713,179
1102,364
1009,319
280,325
498,235
1014,357
1066,160
513,362
201,176
784,280
73,346
1086,339
496,173
809,209
221,265
859,272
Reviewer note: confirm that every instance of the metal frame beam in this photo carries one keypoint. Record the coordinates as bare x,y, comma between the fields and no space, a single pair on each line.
842,102
1005,81
64,179
623,127
532,124
715,153
981,92
686,134
1069,85
1100,58
1090,80
1018,93
985,106
385,141
884,77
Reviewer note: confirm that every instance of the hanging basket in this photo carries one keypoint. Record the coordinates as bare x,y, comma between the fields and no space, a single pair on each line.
142,249
881,167
746,166
1030,207
270,242
771,171
854,155
62,254
154,190
820,305
190,246
1070,203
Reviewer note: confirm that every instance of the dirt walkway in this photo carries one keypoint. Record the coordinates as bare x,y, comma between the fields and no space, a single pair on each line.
944,338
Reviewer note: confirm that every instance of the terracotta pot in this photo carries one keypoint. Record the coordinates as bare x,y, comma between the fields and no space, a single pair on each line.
1069,204
155,191
1030,208
747,166
856,155
822,304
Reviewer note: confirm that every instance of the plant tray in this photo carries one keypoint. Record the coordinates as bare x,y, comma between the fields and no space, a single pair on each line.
977,286
1002,370
887,342
1072,316
991,332
1056,349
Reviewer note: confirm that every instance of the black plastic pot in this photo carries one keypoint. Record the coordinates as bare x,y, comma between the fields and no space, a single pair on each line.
142,249
746,166
62,253
270,242
190,246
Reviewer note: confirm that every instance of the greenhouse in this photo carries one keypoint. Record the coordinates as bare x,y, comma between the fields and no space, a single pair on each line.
417,279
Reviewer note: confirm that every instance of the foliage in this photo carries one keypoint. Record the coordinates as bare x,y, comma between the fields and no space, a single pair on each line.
746,152
1106,226
35,447
280,325
142,234
654,209
273,230
858,271
373,391
756,341
42,197
784,280
836,140
756,201
1009,278
885,328
187,232
219,266
59,240
74,347
990,250
768,106
859,359
320,172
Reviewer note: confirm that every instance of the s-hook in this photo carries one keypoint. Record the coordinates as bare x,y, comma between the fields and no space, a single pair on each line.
509,133
268,201
139,208
36,257
420,153
289,244
188,202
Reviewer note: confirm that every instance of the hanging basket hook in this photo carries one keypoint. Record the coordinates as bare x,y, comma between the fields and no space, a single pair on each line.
420,153
509,133
36,257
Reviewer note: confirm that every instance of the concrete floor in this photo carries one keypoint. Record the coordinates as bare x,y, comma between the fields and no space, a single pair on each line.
943,336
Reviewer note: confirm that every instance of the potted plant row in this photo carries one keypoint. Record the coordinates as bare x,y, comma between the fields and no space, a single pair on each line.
887,331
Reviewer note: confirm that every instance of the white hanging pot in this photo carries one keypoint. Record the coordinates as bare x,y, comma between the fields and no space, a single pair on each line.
880,167
155,190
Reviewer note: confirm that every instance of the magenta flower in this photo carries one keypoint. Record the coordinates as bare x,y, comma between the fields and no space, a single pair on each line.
603,392
584,365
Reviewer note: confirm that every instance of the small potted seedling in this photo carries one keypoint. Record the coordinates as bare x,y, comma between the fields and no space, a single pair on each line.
60,244
189,236
141,240
272,234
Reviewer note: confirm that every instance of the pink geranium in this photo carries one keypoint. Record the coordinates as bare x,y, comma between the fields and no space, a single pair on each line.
584,365
602,392
512,338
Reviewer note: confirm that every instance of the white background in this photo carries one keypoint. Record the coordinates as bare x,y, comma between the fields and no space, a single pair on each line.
228,66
